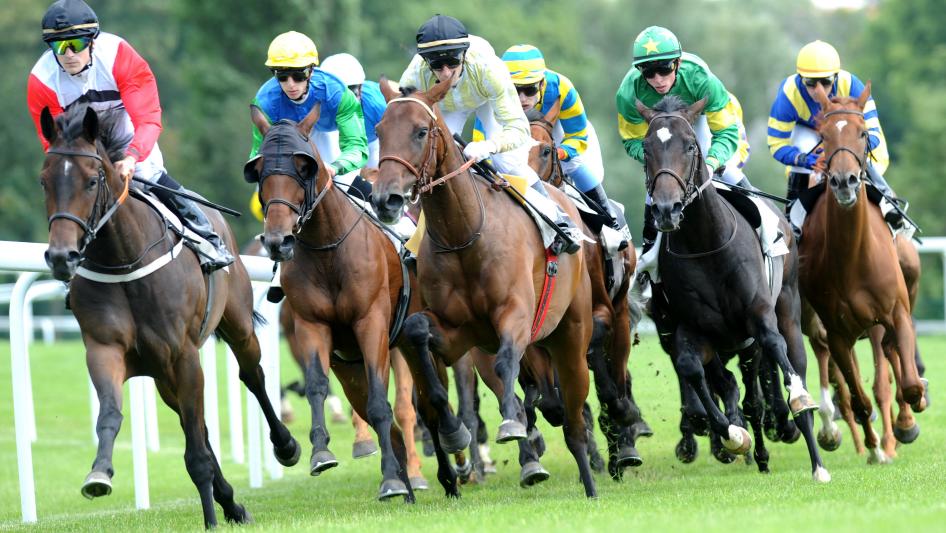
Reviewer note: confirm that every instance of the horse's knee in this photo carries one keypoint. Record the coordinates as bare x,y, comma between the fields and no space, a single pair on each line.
417,329
689,367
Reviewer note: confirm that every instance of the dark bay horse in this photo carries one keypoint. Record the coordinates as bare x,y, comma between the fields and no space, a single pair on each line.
715,296
152,325
850,272
481,268
343,283
610,348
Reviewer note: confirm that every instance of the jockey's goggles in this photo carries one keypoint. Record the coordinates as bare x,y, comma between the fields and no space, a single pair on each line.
77,45
811,82
653,68
440,61
528,90
297,75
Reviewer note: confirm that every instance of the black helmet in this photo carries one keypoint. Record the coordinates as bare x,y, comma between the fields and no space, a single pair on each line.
68,19
441,34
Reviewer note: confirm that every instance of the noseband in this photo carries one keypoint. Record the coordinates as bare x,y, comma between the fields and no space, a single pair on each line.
861,159
100,213
690,189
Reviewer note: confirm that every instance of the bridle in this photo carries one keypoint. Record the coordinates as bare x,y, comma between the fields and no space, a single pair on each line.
690,189
556,174
424,182
101,212
861,159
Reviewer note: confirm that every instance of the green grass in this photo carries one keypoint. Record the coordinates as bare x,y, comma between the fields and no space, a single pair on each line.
662,494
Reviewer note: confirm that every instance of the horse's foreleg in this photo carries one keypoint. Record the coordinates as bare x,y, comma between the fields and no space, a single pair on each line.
774,346
843,356
197,457
572,368
107,370
910,385
882,391
406,416
905,429
315,342
464,377
507,368
752,404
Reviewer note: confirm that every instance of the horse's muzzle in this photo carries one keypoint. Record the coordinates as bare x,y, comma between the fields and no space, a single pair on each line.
63,262
278,246
667,215
387,206
845,187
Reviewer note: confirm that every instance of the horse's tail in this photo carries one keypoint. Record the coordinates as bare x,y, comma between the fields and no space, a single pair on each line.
258,320
635,307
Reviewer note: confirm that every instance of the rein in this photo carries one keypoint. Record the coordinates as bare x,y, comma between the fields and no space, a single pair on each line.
556,174
690,190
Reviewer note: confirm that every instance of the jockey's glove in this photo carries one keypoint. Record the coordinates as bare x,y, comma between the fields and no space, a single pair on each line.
480,150
562,154
808,160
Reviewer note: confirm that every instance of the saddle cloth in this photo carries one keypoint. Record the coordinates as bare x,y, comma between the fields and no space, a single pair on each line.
201,246
808,198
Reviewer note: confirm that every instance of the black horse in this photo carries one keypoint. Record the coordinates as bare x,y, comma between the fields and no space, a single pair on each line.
715,296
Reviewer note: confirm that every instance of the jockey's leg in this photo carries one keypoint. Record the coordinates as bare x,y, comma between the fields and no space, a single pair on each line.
568,245
649,232
589,184
797,182
891,216
194,218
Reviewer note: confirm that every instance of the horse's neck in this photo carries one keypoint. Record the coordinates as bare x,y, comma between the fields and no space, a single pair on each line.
707,222
126,235
330,218
847,230
452,208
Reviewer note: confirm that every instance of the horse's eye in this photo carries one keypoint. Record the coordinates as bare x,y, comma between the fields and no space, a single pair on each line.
421,133
92,184
691,149
546,151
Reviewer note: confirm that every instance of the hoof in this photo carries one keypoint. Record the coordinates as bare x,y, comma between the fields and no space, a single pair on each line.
321,461
906,436
510,430
802,404
739,441
641,429
419,483
456,441
532,473
686,450
391,488
821,475
97,484
365,448
829,441
628,456
239,515
596,462
789,433
876,456
289,454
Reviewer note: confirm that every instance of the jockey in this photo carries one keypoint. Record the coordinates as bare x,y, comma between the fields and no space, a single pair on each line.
87,66
481,85
660,67
578,149
347,68
792,136
296,87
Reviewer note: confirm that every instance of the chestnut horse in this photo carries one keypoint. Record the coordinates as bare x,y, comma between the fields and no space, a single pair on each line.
851,275
151,325
481,268
344,287
610,348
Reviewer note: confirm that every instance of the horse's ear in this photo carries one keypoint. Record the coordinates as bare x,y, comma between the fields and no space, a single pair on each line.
821,97
388,89
305,127
439,90
90,125
369,174
645,111
865,94
552,115
48,126
694,110
259,119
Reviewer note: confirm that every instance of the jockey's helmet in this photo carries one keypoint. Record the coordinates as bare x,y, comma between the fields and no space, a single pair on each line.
655,44
525,63
442,35
69,19
818,59
344,67
292,50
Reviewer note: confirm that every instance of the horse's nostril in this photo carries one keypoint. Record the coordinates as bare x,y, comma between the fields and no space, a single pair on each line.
834,181
288,242
677,208
852,179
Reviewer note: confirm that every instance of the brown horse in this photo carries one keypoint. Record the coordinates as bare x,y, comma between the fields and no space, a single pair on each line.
344,288
850,272
481,268
610,348
153,325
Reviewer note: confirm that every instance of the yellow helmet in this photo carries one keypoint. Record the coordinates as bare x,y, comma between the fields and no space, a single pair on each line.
818,59
292,50
525,63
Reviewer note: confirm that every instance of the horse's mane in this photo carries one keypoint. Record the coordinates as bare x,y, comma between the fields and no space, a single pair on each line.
670,103
535,115
70,124
407,91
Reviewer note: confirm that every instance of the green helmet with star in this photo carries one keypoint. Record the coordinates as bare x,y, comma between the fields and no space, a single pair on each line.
654,44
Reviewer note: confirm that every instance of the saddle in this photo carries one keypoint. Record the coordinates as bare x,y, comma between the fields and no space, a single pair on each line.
809,197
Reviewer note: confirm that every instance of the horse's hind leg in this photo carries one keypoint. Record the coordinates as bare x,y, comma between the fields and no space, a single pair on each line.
107,370
189,391
572,367
883,394
236,329
752,404
594,456
843,356
464,377
406,416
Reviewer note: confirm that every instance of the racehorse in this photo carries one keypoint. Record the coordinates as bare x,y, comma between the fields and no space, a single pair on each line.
136,323
344,286
851,275
608,354
481,268
714,294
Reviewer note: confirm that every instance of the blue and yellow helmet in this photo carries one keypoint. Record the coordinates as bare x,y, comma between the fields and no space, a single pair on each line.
525,63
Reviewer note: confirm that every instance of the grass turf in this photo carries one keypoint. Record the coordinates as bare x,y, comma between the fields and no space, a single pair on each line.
661,494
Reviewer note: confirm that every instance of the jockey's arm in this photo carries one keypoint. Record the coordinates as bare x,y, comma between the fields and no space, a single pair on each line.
39,96
573,119
632,128
257,134
507,110
723,123
782,119
139,94
352,140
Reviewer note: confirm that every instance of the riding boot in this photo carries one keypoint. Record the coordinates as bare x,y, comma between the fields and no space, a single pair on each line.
562,243
195,219
649,231
797,182
615,219
892,215
360,189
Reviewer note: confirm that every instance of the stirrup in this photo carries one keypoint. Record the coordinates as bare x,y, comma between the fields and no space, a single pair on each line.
562,244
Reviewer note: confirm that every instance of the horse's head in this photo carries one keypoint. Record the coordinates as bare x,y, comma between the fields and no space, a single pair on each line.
413,142
673,163
78,181
543,157
289,174
844,136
